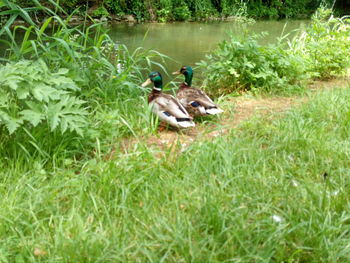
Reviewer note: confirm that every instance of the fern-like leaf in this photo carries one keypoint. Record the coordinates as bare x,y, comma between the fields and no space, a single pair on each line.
31,116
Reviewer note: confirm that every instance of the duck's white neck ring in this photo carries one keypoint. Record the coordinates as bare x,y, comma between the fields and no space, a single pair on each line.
157,89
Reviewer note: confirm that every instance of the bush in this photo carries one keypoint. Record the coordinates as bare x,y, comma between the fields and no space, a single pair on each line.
244,64
182,13
100,11
31,95
327,45
38,82
164,15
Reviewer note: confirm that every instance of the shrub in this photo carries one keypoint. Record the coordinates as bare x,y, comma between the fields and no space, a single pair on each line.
182,13
320,52
234,7
100,11
327,45
106,76
244,64
31,95
164,15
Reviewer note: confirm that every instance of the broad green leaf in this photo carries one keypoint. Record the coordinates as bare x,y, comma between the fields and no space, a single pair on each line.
43,92
12,124
4,116
39,108
22,92
4,99
54,121
62,71
33,117
37,95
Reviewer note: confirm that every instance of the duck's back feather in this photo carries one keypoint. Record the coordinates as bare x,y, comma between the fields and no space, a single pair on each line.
196,101
170,110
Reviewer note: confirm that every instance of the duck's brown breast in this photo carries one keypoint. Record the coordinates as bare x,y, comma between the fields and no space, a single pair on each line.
154,94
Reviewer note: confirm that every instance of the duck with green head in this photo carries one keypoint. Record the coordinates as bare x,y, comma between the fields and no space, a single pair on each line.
196,102
165,106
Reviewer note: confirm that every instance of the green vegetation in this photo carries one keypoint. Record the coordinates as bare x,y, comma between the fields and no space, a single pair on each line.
72,84
321,51
168,10
270,191
31,94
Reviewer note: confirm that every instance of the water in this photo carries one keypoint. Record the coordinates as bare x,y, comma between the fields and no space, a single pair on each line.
188,43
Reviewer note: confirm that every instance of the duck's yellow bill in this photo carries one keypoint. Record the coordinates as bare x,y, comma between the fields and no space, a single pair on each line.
146,83
176,73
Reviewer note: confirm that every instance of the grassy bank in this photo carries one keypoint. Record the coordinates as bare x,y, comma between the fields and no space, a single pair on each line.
271,191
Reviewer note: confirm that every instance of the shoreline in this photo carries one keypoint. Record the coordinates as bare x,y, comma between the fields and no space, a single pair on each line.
130,19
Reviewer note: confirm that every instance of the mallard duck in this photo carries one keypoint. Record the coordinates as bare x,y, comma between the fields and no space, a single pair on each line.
196,102
165,106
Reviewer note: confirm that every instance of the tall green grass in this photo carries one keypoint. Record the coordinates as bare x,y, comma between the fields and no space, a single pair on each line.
271,191
107,76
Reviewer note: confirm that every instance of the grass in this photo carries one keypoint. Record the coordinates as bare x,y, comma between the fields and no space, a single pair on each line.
271,191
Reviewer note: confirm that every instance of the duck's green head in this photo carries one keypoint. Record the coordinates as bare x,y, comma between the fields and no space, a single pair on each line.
155,78
187,72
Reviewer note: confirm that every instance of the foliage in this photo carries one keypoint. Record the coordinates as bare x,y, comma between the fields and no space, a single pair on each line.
181,13
106,198
106,75
100,12
164,15
195,9
234,8
32,95
327,44
239,206
244,64
321,51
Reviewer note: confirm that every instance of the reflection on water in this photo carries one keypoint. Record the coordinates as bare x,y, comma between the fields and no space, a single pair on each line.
187,43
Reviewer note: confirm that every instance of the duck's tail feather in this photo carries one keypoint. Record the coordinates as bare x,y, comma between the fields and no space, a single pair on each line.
176,122
214,111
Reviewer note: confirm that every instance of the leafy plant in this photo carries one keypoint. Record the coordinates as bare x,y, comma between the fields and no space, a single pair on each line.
100,11
327,44
31,95
245,64
321,51
234,8
199,9
164,15
182,13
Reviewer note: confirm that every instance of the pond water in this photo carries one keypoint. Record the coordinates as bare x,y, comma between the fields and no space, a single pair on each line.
189,42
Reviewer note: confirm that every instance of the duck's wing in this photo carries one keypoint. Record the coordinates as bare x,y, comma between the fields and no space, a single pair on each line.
171,105
197,102
171,111
194,94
